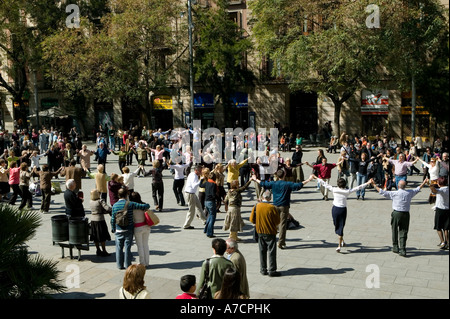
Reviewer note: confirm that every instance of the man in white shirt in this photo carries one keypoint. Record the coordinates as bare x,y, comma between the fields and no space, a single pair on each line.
192,183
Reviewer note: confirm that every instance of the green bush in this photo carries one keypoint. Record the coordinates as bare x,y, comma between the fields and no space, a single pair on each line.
22,275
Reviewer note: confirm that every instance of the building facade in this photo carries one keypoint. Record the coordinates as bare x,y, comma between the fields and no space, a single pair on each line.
371,111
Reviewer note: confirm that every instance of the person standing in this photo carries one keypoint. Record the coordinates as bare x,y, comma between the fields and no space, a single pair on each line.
401,203
401,167
74,204
362,172
14,180
192,184
217,264
24,184
99,229
324,172
102,153
235,256
281,199
141,231
339,210
233,202
157,183
297,163
74,172
211,194
45,178
266,219
124,234
442,213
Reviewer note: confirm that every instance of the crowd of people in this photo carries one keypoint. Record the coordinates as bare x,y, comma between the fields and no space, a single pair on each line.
213,178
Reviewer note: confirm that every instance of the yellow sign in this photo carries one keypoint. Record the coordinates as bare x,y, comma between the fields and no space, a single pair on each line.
162,102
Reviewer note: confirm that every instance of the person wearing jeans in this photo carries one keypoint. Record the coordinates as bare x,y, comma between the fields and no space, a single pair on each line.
362,165
124,234
211,193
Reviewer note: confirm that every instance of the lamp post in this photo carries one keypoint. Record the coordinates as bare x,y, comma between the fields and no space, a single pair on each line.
191,62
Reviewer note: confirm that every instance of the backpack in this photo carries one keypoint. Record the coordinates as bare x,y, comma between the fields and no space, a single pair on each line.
122,216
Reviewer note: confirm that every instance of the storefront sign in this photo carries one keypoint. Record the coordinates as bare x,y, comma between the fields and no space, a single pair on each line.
203,100
162,102
375,102
239,99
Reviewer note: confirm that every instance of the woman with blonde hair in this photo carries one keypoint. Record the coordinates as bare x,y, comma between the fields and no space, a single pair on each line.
101,181
99,229
133,283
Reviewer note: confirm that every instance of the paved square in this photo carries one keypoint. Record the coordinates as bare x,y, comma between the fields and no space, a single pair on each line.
310,266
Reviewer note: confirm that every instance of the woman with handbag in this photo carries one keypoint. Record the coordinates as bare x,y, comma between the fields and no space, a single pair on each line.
99,229
141,231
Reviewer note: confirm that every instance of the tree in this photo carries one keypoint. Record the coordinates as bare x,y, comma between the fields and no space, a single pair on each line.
23,25
336,54
123,57
220,53
23,276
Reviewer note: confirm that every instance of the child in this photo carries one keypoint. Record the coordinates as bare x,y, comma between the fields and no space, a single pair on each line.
188,286
128,178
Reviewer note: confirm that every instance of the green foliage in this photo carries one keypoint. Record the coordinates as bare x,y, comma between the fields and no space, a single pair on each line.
23,276
220,52
339,54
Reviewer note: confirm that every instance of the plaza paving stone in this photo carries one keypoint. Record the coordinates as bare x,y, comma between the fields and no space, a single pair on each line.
310,266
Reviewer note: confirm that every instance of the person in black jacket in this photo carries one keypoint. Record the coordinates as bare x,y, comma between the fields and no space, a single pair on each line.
211,193
297,163
74,204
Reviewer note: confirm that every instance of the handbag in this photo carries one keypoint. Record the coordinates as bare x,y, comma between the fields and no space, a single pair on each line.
205,291
151,219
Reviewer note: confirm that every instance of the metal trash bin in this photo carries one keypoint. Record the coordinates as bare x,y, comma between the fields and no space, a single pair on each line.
78,231
60,228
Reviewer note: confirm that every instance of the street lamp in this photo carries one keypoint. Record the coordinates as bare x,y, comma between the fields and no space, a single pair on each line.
191,62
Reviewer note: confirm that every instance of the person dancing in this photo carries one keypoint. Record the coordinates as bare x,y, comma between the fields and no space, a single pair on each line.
339,210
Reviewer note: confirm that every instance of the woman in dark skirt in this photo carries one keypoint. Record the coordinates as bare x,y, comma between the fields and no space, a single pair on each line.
99,229
339,210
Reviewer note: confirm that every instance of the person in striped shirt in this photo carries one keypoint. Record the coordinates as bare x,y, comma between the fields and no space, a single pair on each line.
124,235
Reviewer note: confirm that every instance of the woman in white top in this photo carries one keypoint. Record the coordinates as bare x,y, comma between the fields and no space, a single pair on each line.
178,181
339,210
141,231
133,283
433,170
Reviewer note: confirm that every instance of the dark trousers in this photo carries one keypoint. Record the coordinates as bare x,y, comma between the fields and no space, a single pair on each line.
16,192
178,190
158,194
27,198
46,197
267,247
400,227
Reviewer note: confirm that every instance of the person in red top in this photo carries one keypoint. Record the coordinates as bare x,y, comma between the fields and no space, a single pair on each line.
188,286
324,173
14,180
